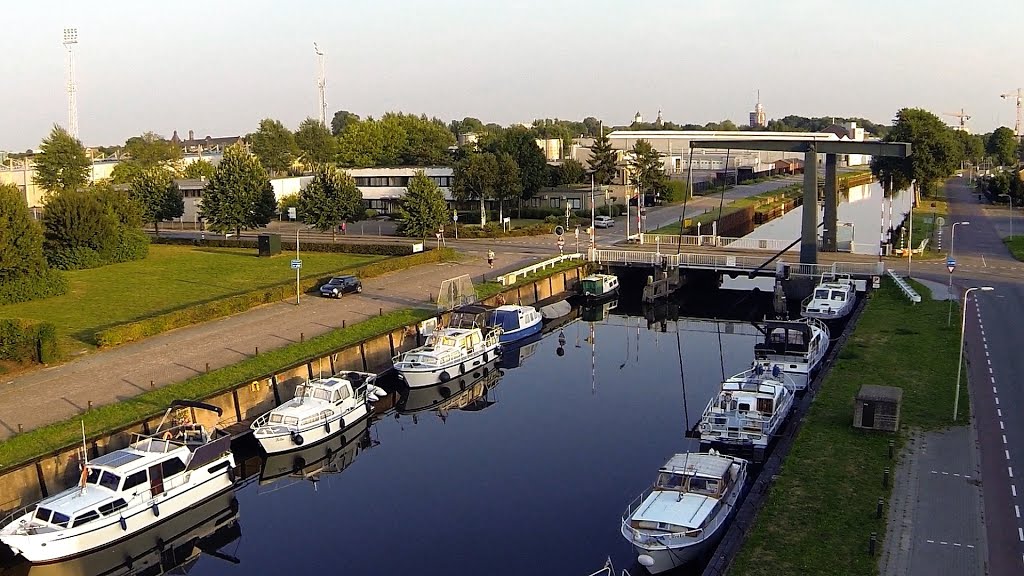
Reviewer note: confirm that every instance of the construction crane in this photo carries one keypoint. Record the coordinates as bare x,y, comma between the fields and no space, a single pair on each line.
963,116
1017,95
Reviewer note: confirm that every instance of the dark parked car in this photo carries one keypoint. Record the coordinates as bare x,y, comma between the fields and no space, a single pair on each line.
340,285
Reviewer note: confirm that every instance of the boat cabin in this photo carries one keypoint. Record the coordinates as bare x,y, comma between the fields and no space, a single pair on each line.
454,339
686,495
784,338
705,474
749,396
512,318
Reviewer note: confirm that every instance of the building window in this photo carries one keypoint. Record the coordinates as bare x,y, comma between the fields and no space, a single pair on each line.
555,202
379,181
575,203
398,181
362,181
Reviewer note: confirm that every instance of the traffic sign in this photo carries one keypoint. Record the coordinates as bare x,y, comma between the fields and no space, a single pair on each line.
455,215
296,264
559,230
950,264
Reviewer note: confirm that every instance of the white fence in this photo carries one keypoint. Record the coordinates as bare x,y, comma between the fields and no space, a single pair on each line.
711,240
513,276
907,289
726,261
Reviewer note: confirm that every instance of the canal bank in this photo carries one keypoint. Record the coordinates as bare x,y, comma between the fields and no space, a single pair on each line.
821,508
242,398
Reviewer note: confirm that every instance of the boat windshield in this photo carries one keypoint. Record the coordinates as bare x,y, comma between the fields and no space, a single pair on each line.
321,394
838,295
705,486
670,481
419,359
52,517
821,294
281,419
103,478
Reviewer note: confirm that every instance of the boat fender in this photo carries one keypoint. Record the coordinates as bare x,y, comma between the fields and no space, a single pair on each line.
705,427
160,544
124,524
233,506
444,391
298,464
486,370
645,560
231,473
462,368
341,424
327,427
330,451
485,357
156,510
128,562
444,376
297,439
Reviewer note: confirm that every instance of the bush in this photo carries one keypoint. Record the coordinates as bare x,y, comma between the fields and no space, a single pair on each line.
332,247
132,331
371,214
552,219
612,210
25,341
49,283
131,245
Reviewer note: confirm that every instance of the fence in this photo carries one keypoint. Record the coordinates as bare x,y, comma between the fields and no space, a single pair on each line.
511,278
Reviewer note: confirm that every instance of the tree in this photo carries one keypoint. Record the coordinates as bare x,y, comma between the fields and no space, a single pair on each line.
426,141
79,231
648,169
341,121
199,169
316,143
21,238
62,165
143,152
157,196
239,195
520,143
475,178
571,172
274,145
972,146
507,183
935,152
361,144
592,127
329,199
423,209
603,160
1002,145
466,126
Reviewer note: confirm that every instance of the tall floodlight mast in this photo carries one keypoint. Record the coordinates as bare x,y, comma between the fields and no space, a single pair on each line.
321,84
70,40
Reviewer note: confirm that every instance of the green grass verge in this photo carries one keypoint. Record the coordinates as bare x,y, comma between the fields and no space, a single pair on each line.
820,511
170,278
488,289
105,419
1016,246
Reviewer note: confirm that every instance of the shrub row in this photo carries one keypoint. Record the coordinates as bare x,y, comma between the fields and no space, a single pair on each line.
50,283
133,331
337,247
26,341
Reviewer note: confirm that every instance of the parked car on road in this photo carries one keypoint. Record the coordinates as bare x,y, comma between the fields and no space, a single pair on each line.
603,222
339,285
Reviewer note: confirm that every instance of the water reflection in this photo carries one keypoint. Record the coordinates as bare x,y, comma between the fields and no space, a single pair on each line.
174,546
313,463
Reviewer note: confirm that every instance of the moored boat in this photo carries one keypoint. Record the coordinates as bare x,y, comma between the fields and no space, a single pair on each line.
598,286
124,492
516,322
747,412
675,520
797,347
320,409
832,299
453,351
311,463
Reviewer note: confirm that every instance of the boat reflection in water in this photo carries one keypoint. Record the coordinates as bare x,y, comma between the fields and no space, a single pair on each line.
310,464
174,546
469,393
515,353
598,312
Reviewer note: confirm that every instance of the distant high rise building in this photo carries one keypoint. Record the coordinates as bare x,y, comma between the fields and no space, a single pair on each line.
658,121
638,119
758,118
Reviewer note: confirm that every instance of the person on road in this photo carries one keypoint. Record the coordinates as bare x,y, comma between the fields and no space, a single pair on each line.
490,258
344,229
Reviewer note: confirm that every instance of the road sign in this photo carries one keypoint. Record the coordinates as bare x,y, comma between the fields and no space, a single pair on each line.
950,264
559,230
296,264
291,213
455,215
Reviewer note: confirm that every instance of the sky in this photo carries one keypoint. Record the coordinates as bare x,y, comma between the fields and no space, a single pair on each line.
219,67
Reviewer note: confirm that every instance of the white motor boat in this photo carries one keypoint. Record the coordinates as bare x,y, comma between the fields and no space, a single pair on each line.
451,352
516,322
797,347
833,298
320,409
127,491
312,463
597,286
674,521
469,393
748,410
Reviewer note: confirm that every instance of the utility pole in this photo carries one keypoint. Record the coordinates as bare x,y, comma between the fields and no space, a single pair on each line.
70,40
321,84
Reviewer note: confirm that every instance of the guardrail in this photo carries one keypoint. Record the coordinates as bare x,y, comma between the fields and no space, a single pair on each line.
907,289
770,244
511,277
725,261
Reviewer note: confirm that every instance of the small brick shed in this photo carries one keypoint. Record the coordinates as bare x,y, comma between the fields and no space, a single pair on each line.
877,408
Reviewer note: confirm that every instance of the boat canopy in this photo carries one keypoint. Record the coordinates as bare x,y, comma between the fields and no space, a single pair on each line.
785,337
508,319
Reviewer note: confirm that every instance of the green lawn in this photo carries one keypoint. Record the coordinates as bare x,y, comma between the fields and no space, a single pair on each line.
171,277
819,513
1016,246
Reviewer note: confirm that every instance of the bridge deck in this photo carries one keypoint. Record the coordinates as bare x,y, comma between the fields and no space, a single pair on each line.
745,261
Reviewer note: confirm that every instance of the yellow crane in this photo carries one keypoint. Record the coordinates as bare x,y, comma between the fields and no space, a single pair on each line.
963,116
1017,95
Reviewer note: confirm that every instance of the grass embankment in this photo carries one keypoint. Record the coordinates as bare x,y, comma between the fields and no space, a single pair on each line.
487,289
104,419
821,510
927,210
170,278
1016,246
705,219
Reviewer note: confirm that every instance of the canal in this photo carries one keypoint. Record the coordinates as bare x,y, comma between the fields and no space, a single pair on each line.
527,472
860,215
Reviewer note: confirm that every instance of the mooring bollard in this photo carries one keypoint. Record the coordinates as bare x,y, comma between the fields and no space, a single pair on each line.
302,336
885,478
19,429
152,384
90,405
872,542
892,448
257,351
878,509
380,312
207,366
343,323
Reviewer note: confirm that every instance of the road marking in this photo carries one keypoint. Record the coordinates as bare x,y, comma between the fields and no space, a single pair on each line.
943,542
1001,427
930,541
997,402
1016,510
1004,438
986,352
994,390
986,348
990,370
993,378
1013,488
1008,457
1000,412
989,361
1020,533
1009,469
983,263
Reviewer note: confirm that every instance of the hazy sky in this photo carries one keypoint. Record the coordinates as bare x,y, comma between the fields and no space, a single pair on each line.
219,67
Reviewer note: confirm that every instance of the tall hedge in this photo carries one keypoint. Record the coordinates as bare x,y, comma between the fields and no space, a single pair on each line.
93,227
24,274
26,341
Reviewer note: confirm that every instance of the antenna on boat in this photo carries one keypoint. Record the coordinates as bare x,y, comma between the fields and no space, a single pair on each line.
85,460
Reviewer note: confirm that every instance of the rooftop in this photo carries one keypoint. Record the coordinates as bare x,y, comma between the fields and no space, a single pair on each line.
872,392
710,465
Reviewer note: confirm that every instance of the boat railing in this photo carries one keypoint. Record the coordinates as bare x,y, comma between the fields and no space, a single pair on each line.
649,537
18,513
609,570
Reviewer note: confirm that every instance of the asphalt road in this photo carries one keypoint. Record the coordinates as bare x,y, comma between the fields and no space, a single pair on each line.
993,336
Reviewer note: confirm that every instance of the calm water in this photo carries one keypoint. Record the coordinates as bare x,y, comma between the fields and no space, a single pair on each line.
859,214
530,478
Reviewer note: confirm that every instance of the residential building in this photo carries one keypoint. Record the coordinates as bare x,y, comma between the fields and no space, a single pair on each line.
205,145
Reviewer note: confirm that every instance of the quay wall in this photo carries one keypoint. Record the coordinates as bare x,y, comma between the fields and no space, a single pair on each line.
51,473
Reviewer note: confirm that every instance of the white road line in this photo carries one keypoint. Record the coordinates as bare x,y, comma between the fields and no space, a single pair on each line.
983,263
945,473
970,545
990,370
997,402
930,541
1016,510
935,471
994,391
943,542
1007,452
999,411
989,361
1004,438
1020,533
993,378
986,348
986,352
1013,488
1001,427
957,544
1010,470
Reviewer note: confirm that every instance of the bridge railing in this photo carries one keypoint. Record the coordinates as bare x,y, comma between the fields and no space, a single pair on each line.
513,276
724,261
769,244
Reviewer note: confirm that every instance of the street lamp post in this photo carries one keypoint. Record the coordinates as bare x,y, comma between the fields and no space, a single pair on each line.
952,238
297,270
1010,198
593,230
960,366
